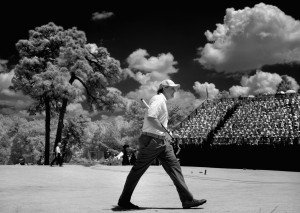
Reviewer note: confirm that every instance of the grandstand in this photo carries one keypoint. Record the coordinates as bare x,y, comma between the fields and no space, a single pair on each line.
259,132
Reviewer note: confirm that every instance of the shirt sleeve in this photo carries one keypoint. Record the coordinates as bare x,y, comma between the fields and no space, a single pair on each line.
154,107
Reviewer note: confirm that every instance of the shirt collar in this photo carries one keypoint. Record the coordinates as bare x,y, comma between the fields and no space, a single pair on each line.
165,99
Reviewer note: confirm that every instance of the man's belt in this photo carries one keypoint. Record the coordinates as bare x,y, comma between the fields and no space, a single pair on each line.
162,137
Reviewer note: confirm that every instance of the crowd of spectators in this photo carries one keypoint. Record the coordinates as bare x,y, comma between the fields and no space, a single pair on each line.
267,119
205,118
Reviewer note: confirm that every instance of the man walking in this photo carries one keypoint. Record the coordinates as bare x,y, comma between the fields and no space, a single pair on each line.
58,157
152,145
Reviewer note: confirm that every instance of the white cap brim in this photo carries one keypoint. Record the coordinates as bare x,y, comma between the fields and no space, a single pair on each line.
177,86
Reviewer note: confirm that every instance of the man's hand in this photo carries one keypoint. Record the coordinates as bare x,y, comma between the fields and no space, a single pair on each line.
174,135
168,137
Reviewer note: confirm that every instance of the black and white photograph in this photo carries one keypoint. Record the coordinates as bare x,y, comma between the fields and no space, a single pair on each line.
150,106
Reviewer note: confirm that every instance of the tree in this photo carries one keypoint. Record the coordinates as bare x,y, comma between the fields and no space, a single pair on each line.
5,147
223,94
28,142
95,69
105,139
74,135
52,59
180,107
9,128
135,114
285,84
35,73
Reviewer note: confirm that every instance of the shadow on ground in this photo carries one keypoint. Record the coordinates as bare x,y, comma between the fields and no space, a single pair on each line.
119,209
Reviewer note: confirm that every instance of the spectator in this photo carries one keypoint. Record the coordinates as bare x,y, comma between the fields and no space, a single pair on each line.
125,160
58,156
22,160
133,157
40,161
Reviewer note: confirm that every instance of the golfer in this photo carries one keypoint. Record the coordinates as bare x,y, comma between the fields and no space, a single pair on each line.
153,143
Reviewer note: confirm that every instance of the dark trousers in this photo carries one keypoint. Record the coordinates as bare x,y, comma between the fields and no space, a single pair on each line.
57,159
149,149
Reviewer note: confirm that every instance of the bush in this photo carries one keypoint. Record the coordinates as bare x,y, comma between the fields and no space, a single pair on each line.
5,149
111,161
83,161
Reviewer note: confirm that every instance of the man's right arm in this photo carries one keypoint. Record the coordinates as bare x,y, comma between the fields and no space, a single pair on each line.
155,123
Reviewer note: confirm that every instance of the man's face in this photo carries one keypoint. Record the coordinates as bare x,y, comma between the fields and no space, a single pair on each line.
170,92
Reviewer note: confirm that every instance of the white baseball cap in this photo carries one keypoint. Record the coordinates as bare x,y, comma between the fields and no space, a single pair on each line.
168,83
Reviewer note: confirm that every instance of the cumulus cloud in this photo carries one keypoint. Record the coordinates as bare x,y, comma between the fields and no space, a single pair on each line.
5,80
14,103
11,101
260,83
149,71
164,63
250,38
203,89
8,92
236,91
182,98
145,91
186,101
3,65
100,16
295,86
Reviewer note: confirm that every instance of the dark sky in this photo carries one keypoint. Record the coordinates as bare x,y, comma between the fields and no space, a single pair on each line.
158,26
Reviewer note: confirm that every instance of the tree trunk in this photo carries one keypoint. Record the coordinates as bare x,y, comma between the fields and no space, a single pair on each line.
60,124
62,113
47,131
64,151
